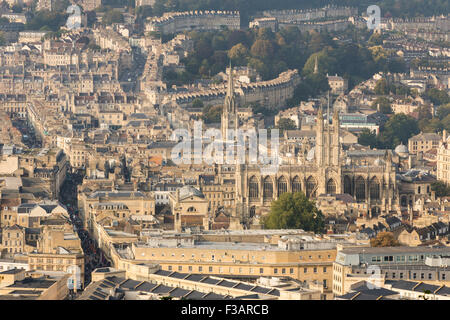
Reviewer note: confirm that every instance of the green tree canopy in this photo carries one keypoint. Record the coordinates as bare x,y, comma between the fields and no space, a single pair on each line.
443,111
441,189
197,103
384,103
381,87
368,138
238,54
262,49
398,129
384,239
325,63
294,211
212,114
438,97
46,20
286,124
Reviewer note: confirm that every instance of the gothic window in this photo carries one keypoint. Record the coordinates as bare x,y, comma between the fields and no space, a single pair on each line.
311,187
375,212
268,188
253,188
348,185
282,185
331,187
360,188
296,184
374,189
252,211
403,201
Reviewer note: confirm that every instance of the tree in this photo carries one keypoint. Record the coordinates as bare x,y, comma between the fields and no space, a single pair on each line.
424,112
398,129
441,189
367,138
324,61
212,114
197,104
433,125
237,36
46,20
262,49
238,54
203,49
294,211
384,105
258,108
219,42
384,239
381,87
443,111
438,97
286,124
2,39
445,123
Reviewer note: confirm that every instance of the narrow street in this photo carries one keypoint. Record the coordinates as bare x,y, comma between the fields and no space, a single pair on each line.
94,257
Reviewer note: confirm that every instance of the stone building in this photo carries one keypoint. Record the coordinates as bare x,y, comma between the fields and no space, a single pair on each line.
423,142
319,166
337,84
175,22
443,160
368,176
189,207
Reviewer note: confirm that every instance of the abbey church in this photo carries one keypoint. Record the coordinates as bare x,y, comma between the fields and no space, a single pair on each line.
319,168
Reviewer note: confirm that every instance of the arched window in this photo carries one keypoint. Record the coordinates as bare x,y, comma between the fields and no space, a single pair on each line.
296,184
311,184
403,201
253,188
331,187
268,188
375,211
282,185
252,211
374,189
360,188
191,209
348,185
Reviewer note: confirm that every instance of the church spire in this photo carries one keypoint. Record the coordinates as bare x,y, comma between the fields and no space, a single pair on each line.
230,118
230,89
230,99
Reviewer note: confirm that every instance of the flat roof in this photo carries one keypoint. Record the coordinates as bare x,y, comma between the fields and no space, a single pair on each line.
394,250
12,271
206,245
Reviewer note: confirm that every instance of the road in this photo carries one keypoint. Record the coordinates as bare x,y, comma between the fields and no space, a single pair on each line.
94,257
